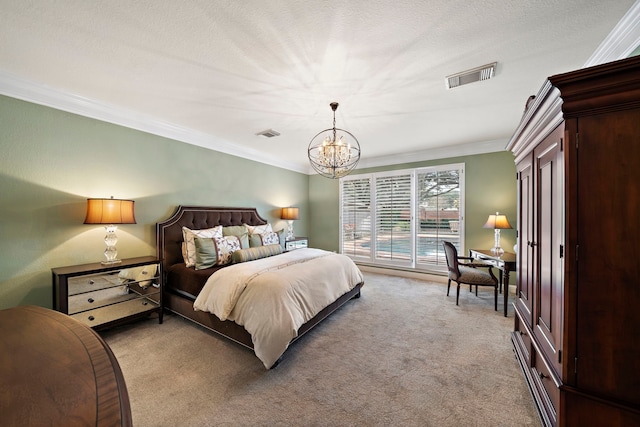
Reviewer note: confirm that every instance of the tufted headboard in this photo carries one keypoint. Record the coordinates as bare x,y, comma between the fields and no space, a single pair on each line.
169,232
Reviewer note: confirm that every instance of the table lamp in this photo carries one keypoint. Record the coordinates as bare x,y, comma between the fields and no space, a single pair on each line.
110,211
497,222
290,214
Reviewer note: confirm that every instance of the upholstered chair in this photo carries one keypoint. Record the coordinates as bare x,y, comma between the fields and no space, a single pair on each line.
471,272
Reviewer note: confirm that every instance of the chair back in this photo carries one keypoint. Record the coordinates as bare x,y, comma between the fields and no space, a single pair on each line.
451,254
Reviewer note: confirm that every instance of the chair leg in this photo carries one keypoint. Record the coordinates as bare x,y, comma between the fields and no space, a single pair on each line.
448,286
457,293
476,290
495,299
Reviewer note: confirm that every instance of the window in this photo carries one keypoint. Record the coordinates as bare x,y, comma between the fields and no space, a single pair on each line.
400,218
393,219
356,217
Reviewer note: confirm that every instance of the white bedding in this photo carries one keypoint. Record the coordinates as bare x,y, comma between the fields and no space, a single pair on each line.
272,297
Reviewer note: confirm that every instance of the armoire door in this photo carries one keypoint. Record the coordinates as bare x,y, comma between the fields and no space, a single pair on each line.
549,241
608,235
525,251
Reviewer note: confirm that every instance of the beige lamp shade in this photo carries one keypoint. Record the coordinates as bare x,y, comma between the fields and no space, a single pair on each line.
497,221
110,211
290,213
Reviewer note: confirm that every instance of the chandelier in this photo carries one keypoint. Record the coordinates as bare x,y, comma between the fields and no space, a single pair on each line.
332,154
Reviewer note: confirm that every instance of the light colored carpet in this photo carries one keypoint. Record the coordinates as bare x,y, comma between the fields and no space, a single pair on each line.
401,355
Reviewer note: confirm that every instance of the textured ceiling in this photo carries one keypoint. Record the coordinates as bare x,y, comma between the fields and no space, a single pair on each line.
221,71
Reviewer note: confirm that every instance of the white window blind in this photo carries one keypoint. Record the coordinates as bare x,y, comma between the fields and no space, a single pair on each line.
393,219
439,214
400,218
356,217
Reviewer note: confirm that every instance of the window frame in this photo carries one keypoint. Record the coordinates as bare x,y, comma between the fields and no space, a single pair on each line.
413,263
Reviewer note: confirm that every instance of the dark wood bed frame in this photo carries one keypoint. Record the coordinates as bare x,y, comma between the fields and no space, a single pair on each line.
169,251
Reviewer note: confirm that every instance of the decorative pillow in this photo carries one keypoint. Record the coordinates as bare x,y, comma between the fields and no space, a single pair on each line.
251,254
240,231
281,236
206,254
256,240
259,229
215,250
255,231
225,247
185,257
269,238
189,235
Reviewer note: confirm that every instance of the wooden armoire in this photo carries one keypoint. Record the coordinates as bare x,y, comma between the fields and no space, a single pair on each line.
577,308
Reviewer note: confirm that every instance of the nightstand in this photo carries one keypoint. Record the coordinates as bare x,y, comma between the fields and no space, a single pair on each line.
101,296
296,243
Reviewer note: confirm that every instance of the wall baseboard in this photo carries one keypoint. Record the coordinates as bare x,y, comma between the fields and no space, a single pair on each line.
438,278
404,273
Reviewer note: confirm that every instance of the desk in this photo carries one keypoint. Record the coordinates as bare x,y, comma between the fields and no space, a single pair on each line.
505,263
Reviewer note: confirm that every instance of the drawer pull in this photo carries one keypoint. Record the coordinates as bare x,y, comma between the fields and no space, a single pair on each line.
91,318
90,300
522,333
155,285
542,376
91,282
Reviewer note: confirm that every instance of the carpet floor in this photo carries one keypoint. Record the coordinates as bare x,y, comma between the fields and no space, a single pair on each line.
401,355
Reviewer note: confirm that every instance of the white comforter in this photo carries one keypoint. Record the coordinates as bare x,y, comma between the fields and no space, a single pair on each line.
272,297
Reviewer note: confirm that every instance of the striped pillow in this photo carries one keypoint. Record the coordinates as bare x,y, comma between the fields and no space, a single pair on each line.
250,254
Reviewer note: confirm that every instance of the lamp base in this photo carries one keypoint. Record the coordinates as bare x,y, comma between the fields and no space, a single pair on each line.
111,239
496,249
290,235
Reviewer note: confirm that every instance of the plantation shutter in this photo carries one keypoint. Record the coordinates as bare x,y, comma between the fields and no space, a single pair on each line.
356,217
393,211
438,213
400,218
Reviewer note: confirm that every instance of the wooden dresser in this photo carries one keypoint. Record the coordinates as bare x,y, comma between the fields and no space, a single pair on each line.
55,371
577,322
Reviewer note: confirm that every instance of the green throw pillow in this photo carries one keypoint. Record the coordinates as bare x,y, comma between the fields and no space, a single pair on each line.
206,254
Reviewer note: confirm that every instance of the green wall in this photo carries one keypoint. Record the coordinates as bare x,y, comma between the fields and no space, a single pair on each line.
52,161
490,186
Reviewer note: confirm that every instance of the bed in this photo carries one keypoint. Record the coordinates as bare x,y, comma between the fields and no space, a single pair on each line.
183,285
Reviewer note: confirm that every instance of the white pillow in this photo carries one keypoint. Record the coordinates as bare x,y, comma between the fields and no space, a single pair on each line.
259,229
189,236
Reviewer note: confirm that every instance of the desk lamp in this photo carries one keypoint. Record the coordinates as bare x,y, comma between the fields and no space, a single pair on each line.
497,222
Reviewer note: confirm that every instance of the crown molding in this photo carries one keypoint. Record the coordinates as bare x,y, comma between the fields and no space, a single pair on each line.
26,90
436,153
621,41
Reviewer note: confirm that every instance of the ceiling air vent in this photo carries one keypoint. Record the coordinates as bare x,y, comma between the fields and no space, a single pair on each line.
475,75
269,133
